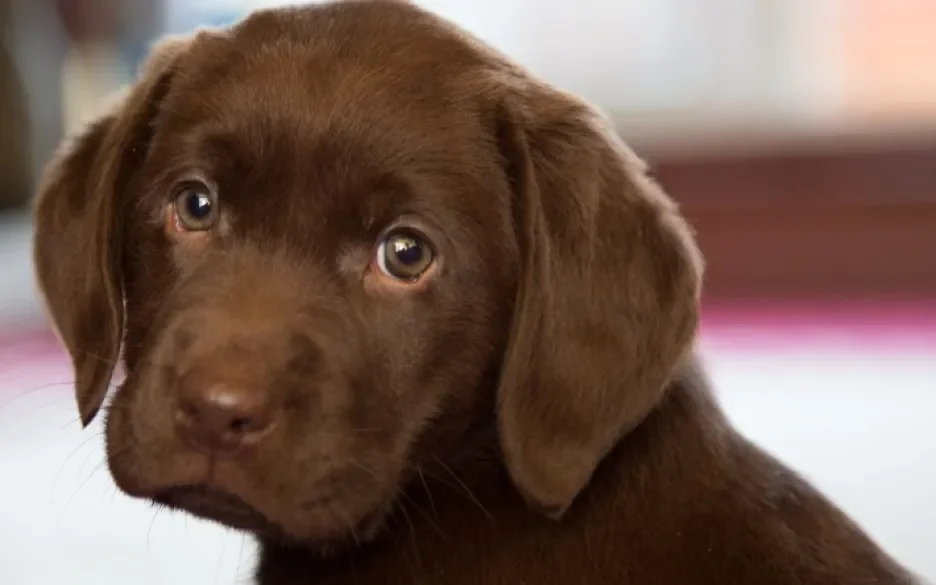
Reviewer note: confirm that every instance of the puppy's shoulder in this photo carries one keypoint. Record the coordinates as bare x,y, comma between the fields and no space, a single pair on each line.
720,506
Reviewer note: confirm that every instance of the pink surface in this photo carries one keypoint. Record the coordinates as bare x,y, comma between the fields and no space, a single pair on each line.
30,357
859,327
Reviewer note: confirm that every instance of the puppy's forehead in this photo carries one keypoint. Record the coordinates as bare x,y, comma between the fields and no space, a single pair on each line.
380,65
358,111
380,83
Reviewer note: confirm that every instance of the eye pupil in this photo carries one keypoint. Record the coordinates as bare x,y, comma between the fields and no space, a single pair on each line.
198,205
408,251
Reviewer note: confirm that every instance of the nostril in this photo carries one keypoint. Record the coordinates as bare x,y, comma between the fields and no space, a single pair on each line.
187,409
241,425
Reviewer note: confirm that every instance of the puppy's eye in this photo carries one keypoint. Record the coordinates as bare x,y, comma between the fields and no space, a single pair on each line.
404,256
196,207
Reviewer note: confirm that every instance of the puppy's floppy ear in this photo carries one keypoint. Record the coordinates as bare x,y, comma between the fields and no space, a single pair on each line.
607,304
77,217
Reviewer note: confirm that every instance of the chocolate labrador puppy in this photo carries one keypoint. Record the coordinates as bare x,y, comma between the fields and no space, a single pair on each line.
411,316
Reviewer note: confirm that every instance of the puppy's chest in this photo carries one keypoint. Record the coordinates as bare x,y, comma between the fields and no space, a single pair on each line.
497,555
557,566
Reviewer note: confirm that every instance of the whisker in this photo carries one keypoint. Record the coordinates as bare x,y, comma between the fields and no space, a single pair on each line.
349,523
88,457
57,402
465,487
80,487
150,529
364,468
220,559
414,542
422,478
240,557
70,423
25,393
433,521
74,452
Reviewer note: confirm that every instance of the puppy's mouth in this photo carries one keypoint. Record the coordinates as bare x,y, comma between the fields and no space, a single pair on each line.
217,505
211,503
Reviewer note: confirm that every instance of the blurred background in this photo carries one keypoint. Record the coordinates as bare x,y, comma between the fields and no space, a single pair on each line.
799,136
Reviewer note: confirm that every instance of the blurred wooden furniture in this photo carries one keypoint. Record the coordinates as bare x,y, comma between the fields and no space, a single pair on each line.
15,153
835,218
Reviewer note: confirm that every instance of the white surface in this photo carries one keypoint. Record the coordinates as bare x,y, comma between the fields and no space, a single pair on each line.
859,426
18,301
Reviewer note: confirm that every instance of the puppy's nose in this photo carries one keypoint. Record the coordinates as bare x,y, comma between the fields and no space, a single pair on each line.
222,419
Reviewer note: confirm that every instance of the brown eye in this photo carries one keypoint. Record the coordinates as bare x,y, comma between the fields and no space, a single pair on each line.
196,207
404,256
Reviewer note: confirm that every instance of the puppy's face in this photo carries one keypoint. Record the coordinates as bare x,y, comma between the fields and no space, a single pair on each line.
318,251
332,241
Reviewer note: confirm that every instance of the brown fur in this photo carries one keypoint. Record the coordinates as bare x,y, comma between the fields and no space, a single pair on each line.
528,411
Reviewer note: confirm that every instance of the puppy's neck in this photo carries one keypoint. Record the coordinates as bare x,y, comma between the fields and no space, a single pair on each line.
465,505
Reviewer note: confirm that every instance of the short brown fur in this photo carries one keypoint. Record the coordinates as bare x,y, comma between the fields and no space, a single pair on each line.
530,410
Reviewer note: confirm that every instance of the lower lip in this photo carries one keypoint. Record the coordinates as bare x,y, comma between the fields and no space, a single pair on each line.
214,505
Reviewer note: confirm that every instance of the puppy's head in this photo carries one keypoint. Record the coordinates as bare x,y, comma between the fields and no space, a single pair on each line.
332,241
